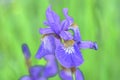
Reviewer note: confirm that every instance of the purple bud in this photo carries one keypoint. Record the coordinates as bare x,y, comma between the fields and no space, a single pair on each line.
26,51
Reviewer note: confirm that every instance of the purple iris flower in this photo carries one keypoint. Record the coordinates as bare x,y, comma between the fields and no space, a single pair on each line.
35,74
67,74
68,53
54,33
58,44
55,26
39,72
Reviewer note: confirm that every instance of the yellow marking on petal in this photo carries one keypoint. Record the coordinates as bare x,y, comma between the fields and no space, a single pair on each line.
74,25
68,43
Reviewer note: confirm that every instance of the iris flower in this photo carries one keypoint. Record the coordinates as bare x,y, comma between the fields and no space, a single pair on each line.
39,72
67,49
55,31
60,46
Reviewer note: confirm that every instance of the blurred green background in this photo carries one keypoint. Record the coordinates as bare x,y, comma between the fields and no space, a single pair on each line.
98,20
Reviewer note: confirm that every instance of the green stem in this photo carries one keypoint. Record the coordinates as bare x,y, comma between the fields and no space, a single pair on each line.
73,75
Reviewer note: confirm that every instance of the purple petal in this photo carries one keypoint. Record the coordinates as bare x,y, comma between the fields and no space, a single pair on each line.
26,51
25,78
46,31
49,57
65,75
46,23
77,36
79,75
42,78
35,71
68,21
69,57
47,47
53,20
88,44
51,66
66,35
64,25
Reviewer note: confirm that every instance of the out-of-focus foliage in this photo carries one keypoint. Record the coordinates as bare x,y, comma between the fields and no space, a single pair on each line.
98,20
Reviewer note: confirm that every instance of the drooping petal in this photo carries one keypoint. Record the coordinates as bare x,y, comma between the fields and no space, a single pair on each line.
79,75
49,57
53,20
26,51
51,68
35,71
41,51
66,35
42,78
65,75
88,44
68,21
69,57
47,47
77,36
25,78
46,31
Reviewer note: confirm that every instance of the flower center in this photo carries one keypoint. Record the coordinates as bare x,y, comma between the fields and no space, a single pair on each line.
69,50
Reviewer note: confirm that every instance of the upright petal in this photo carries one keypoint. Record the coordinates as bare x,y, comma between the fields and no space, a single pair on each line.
47,47
64,25
66,35
46,31
68,21
77,36
53,20
69,57
65,75
88,44
26,51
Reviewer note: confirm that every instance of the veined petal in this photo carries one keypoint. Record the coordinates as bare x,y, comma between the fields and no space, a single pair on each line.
41,51
65,75
35,71
66,35
51,68
68,18
69,57
49,57
47,47
42,78
64,25
77,36
53,20
79,75
88,44
67,22
26,51
25,78
46,31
